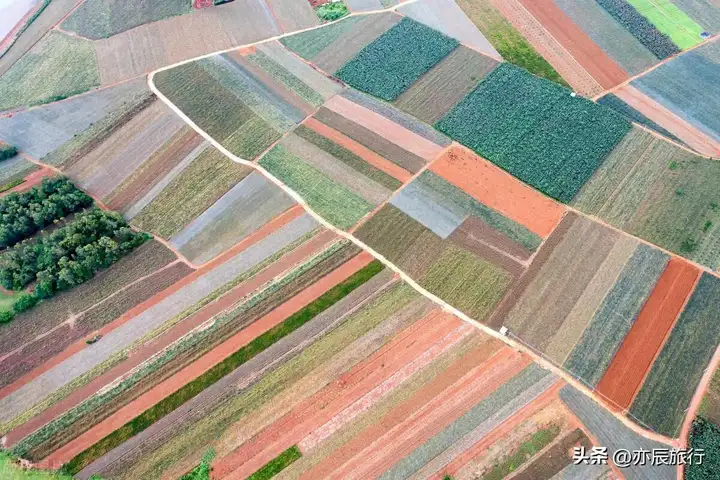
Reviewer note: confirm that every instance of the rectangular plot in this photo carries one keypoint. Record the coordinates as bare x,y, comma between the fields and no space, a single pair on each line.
674,377
389,65
441,88
243,209
440,217
293,15
670,20
616,315
553,293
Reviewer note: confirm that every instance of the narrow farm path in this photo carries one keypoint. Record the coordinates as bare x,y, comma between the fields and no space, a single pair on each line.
405,277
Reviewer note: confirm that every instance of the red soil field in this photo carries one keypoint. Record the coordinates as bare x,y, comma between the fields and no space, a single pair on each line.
266,230
306,250
628,369
481,369
30,181
202,3
593,59
499,190
333,399
206,362
358,149
669,121
502,430
547,46
384,127
428,421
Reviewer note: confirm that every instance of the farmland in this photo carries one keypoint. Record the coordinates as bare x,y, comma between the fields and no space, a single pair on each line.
556,165
330,286
97,19
694,332
678,213
385,71
66,64
508,41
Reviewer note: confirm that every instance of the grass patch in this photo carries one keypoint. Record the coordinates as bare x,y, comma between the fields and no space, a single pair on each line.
259,344
467,282
202,471
334,202
539,133
10,470
57,67
507,40
526,450
12,184
389,65
277,464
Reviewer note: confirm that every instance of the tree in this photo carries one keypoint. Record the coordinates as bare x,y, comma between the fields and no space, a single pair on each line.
25,301
6,316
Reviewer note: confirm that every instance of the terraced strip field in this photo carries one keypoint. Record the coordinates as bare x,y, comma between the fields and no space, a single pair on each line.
625,374
678,213
516,132
506,39
587,53
152,315
671,383
618,43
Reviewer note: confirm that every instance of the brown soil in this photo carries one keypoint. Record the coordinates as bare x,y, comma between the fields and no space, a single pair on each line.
628,368
358,149
30,181
669,121
593,59
480,366
206,362
557,457
492,186
332,400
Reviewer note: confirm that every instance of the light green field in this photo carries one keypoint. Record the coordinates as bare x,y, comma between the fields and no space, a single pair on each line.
6,301
671,21
57,67
9,471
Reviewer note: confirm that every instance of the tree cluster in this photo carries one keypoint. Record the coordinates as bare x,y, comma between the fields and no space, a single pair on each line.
7,151
24,214
69,256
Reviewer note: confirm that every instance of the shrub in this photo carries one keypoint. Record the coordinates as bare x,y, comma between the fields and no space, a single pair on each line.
25,301
330,12
7,151
6,316
704,435
657,42
390,64
23,214
70,255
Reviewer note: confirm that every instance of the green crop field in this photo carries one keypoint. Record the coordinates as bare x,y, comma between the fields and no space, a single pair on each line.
334,202
57,67
467,282
535,130
388,66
